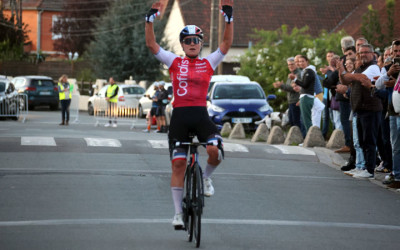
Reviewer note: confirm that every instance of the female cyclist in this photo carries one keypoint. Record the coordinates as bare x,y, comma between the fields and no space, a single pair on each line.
190,76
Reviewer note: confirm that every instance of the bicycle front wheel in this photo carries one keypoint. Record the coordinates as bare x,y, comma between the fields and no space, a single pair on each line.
197,203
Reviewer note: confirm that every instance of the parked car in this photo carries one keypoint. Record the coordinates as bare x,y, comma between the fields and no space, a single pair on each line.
238,102
128,96
145,102
40,90
9,102
227,78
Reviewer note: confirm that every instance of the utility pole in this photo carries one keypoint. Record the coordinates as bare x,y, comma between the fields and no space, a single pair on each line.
214,26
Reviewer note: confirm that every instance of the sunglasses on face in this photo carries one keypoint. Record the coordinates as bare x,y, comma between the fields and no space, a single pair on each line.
189,40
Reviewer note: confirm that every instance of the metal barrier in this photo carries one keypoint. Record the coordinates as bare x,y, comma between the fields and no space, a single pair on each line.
74,107
122,112
14,107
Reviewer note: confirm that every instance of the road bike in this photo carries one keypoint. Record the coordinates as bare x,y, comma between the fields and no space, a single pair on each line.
193,197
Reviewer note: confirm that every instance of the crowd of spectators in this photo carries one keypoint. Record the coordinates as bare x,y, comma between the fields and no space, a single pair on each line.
356,93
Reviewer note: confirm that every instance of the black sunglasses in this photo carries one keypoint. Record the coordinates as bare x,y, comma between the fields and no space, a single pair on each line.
189,40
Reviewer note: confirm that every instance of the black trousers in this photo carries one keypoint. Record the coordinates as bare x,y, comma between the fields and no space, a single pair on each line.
368,129
65,109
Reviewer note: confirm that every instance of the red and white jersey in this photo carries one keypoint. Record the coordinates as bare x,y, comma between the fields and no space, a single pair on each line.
190,77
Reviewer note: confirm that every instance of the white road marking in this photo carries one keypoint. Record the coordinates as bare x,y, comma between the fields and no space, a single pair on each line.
293,150
38,141
102,142
205,221
231,147
234,147
158,143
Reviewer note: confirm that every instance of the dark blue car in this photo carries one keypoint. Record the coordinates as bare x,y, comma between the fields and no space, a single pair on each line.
238,102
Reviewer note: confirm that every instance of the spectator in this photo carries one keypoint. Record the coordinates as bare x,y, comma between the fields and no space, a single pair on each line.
345,109
307,83
152,111
65,95
112,103
330,82
326,114
359,159
368,107
387,80
162,101
292,95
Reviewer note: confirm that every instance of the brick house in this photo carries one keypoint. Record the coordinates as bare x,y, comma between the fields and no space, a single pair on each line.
40,16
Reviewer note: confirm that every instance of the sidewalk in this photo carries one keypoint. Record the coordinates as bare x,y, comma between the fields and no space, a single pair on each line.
336,160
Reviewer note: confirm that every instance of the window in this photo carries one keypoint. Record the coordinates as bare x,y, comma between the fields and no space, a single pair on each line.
42,83
2,86
55,36
133,91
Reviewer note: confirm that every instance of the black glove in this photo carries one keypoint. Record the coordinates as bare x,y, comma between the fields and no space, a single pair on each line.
227,11
151,15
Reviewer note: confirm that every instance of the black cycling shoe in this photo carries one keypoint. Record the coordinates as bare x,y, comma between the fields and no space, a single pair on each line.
350,164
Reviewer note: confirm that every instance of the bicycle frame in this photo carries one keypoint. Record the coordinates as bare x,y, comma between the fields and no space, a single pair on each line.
193,200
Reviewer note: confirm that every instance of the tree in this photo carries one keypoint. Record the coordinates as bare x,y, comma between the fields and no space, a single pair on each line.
76,24
266,63
378,33
12,38
119,48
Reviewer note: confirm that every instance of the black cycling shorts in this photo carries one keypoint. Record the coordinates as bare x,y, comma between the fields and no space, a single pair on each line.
160,111
153,111
187,120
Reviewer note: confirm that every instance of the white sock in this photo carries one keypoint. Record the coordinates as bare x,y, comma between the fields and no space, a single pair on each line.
209,170
177,193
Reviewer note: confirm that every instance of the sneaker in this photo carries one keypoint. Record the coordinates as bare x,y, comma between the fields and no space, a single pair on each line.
208,187
114,125
146,130
364,174
177,222
389,179
348,167
379,168
344,149
353,171
107,125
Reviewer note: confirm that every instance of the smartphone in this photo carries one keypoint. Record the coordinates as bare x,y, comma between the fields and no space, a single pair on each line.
396,60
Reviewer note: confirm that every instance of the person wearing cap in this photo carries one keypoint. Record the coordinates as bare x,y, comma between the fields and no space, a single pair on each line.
190,76
152,111
162,101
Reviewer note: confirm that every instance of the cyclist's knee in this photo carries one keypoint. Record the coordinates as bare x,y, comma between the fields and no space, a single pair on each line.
178,166
214,155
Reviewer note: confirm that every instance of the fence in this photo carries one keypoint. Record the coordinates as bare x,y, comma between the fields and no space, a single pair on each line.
123,112
74,107
14,107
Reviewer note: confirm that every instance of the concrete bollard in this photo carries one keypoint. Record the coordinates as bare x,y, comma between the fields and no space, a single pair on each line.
314,138
276,136
237,132
337,140
226,129
261,133
294,137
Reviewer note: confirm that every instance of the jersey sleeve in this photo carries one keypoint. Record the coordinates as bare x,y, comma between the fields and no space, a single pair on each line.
165,57
215,58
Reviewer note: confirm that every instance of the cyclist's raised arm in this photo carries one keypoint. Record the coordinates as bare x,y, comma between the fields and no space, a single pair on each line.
149,29
227,11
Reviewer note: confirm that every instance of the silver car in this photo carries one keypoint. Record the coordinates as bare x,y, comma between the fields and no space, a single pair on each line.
128,96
